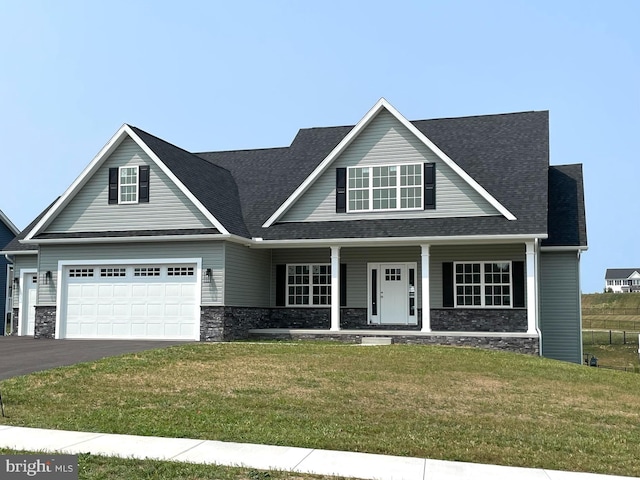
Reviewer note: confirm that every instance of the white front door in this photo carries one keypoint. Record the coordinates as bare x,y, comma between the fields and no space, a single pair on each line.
391,293
28,307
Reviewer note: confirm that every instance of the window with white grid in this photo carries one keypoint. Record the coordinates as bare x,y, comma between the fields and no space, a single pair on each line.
388,187
308,285
113,272
483,284
146,272
80,272
128,185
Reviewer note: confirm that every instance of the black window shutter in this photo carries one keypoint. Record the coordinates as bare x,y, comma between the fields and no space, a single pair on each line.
341,190
447,284
343,284
143,192
281,285
518,283
113,185
429,186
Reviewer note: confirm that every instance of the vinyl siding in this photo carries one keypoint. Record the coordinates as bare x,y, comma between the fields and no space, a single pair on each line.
386,141
211,254
89,211
358,258
246,276
22,262
560,315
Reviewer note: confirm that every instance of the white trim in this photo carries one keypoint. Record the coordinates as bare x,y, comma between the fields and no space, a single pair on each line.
20,252
397,241
426,300
335,288
62,264
310,284
9,223
115,141
23,273
532,296
355,131
582,248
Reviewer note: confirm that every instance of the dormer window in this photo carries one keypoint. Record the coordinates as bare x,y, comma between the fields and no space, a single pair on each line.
388,187
129,184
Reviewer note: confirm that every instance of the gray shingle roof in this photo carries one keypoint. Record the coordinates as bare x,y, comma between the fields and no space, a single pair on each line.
620,273
567,222
15,245
507,154
212,185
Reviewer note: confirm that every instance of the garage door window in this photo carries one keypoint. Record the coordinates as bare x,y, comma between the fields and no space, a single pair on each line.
113,272
80,272
180,271
146,272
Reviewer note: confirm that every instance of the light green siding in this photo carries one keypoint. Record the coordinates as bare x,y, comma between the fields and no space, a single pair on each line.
386,141
246,276
89,210
210,252
560,315
21,262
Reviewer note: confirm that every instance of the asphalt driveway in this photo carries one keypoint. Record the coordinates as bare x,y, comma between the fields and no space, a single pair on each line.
22,355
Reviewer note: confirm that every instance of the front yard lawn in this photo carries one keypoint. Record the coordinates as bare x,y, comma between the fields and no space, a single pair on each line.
436,402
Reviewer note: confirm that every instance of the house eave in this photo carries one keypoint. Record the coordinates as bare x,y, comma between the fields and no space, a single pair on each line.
397,241
565,248
130,239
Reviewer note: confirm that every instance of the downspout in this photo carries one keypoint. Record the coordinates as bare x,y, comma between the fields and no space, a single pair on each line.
13,292
538,300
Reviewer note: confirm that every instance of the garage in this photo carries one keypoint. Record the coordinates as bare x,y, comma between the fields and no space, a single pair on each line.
136,301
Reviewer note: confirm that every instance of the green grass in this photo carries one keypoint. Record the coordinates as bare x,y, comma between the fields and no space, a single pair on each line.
435,402
95,467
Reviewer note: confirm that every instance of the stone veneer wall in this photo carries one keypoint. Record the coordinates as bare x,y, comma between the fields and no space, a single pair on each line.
45,322
225,324
479,320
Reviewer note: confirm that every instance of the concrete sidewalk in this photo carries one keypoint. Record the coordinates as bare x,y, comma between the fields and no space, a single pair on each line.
269,457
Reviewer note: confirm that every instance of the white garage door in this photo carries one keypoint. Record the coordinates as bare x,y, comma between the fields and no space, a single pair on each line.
130,301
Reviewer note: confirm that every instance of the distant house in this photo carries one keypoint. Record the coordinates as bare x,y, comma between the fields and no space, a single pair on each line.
447,231
8,232
622,280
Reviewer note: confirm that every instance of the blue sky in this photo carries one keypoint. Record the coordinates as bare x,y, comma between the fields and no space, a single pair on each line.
209,75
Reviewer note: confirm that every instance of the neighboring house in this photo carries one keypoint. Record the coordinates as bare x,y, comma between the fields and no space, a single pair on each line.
622,280
8,232
448,231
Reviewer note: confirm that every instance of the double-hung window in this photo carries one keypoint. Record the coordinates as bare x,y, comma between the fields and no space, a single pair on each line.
483,284
390,187
308,285
128,185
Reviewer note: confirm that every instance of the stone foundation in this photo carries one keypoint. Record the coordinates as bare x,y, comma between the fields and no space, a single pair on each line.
479,320
225,324
517,344
45,322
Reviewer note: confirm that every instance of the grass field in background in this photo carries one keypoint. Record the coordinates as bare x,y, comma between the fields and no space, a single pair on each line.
425,401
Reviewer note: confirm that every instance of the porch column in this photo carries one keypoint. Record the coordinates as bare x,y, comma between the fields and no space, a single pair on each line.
335,289
532,301
426,304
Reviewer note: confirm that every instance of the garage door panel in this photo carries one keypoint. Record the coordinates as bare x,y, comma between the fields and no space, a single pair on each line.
128,306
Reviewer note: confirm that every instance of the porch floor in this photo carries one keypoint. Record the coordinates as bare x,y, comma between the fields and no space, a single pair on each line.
385,333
